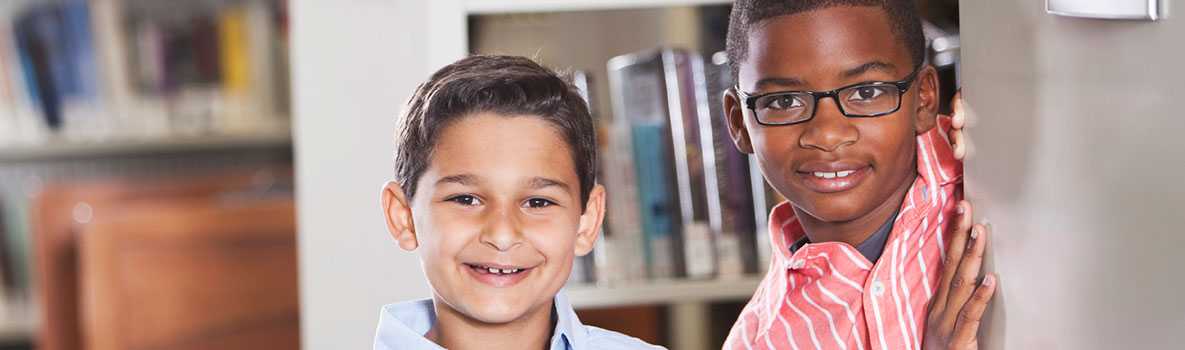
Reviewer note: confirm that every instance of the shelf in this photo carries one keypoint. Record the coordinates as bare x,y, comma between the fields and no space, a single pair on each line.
18,322
663,292
179,144
17,331
502,6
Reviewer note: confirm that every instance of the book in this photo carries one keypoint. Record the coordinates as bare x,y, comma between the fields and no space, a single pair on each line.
737,241
84,112
39,47
21,122
639,100
111,56
622,255
247,56
686,89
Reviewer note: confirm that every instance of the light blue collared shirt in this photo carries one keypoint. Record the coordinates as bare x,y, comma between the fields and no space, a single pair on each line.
403,325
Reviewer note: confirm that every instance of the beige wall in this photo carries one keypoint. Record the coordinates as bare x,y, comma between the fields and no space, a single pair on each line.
1079,165
354,63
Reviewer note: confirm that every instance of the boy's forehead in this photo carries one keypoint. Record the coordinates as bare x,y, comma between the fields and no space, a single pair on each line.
494,147
825,44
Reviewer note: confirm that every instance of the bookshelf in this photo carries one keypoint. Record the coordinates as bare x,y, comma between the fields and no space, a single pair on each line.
663,292
98,89
280,138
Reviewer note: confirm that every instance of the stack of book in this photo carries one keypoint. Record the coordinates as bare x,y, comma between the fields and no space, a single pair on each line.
97,70
682,201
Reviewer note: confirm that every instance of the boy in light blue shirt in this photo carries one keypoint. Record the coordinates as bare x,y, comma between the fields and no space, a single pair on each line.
494,186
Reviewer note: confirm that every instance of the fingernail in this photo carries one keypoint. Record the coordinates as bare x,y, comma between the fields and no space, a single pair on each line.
988,280
962,209
974,232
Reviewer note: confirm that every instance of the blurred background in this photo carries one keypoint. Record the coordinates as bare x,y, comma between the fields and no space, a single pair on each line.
146,183
147,193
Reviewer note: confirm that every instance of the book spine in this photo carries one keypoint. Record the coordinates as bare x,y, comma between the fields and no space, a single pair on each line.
639,103
737,243
39,45
111,50
25,127
657,209
622,257
83,112
686,97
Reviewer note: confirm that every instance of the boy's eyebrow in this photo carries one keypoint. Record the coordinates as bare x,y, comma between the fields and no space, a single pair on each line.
541,182
779,81
461,179
870,66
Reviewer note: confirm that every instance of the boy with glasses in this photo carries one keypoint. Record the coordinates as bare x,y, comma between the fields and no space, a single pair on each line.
835,100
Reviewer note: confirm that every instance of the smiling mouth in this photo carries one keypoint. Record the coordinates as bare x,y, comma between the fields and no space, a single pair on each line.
834,180
496,270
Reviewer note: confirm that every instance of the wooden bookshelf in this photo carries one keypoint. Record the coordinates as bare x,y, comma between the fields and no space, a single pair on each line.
663,292
164,145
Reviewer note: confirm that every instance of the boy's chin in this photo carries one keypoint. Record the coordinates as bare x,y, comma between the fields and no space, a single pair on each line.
837,211
500,311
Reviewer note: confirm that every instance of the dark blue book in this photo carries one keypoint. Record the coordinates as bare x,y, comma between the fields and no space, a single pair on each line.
38,41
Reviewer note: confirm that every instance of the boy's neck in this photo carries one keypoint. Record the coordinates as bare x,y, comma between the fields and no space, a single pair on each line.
855,231
456,331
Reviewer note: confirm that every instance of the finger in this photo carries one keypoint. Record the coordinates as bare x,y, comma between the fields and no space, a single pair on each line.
965,277
967,326
956,138
954,251
958,119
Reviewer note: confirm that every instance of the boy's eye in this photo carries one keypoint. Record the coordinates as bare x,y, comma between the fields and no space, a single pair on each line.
538,203
784,102
866,93
466,200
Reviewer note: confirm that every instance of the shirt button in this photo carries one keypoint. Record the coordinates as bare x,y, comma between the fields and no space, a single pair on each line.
878,289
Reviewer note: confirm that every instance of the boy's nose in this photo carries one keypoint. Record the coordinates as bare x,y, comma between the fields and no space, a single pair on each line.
502,231
829,129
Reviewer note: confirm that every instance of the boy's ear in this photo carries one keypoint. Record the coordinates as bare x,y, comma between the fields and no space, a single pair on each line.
927,107
590,221
734,116
397,210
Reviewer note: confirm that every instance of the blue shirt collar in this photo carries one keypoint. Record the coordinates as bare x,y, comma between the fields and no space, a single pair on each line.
403,326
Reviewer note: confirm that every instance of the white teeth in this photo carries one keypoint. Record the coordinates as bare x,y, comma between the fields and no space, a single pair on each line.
832,175
497,271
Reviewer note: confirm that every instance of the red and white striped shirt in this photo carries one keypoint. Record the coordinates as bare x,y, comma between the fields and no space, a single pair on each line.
829,296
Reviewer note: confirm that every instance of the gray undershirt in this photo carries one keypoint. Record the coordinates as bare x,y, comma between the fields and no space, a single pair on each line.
871,248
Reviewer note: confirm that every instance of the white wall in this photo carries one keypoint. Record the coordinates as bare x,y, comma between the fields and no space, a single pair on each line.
354,63
1079,164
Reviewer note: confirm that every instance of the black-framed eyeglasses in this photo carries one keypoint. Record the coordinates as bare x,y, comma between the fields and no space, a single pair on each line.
861,100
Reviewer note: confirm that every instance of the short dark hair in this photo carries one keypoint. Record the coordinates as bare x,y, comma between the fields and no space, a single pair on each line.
504,85
902,15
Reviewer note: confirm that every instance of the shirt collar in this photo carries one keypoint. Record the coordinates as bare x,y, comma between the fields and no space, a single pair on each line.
569,333
403,326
